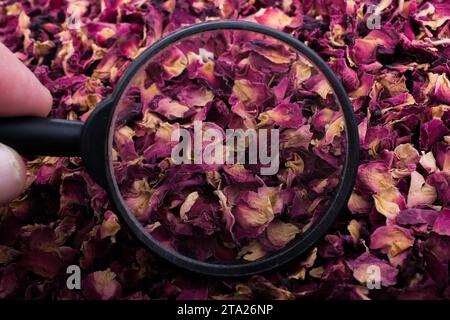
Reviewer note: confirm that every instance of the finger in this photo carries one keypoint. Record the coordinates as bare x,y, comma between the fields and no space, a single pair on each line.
21,93
12,173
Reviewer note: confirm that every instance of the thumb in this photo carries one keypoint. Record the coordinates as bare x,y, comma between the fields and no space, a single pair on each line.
12,174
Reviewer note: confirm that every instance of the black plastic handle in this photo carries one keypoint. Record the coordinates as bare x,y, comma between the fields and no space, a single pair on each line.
42,136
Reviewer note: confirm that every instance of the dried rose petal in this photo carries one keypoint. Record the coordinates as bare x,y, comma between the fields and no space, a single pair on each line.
391,240
442,223
397,79
360,267
101,285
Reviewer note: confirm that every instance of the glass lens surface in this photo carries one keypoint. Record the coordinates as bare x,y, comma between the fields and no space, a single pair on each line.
227,146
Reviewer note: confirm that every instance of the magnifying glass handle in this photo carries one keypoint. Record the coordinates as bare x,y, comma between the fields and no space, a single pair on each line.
41,136
36,136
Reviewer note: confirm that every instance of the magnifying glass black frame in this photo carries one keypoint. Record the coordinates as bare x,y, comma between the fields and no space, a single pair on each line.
93,140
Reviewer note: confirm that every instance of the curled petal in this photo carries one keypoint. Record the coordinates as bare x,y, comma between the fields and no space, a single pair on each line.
296,138
406,155
428,162
442,223
110,225
285,115
361,269
253,251
420,193
279,234
365,49
253,212
196,96
171,109
389,202
101,285
431,132
374,177
174,63
442,89
248,92
359,204
391,240
275,18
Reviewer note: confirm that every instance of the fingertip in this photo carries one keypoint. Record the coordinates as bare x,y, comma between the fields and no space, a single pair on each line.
38,100
22,93
46,104
13,174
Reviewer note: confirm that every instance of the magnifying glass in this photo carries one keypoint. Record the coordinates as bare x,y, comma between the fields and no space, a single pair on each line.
227,148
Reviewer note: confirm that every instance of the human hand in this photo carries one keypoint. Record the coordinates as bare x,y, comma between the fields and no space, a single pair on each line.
21,94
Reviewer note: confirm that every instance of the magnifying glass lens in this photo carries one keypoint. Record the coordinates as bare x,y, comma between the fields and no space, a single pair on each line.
227,146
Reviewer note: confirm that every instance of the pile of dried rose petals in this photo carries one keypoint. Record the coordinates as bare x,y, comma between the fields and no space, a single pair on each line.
398,217
225,80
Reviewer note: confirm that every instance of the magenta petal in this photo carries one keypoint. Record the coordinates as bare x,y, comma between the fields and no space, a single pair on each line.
360,267
442,223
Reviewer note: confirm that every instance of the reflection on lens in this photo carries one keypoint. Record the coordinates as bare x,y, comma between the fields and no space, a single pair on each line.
228,145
